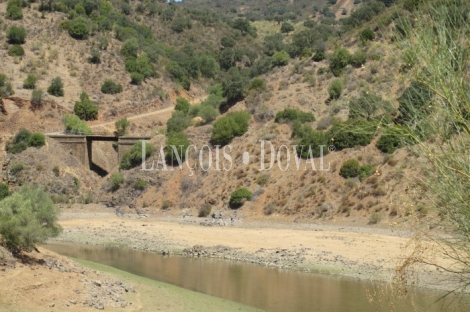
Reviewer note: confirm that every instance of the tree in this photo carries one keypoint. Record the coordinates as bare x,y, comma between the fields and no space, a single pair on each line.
178,141
85,109
30,82
340,58
234,84
27,218
56,88
110,87
79,28
16,35
182,105
287,27
121,126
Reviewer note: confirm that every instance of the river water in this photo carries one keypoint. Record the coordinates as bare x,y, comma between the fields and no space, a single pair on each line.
257,286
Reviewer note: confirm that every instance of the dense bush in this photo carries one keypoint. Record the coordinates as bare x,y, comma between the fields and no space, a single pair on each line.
37,139
30,82
16,35
234,84
6,88
136,78
75,125
140,184
176,141
257,84
367,105
4,191
358,59
16,50
56,87
280,58
414,103
178,122
85,109
182,105
226,128
14,10
335,88
354,132
28,217
95,56
291,114
319,56
23,139
391,140
310,141
239,196
208,113
79,28
110,87
287,27
366,35
36,98
365,171
339,60
121,126
130,48
204,211
115,181
133,157
349,169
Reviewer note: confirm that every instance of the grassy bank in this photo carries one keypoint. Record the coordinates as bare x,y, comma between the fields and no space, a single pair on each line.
155,296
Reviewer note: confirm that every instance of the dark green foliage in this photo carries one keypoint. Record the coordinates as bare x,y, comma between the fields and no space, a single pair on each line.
5,87
287,27
365,171
319,56
261,66
414,103
181,23
14,10
140,184
208,113
130,47
182,105
126,8
95,56
37,139
178,122
244,26
226,128
367,105
280,58
30,82
310,23
178,141
227,42
234,84
239,196
291,114
257,84
354,132
121,126
110,87
79,28
358,59
207,65
273,43
19,143
16,168
393,139
136,78
36,98
349,169
85,109
367,35
75,125
141,65
115,181
363,14
16,50
340,58
16,35
309,140
4,191
133,158
335,88
28,217
56,88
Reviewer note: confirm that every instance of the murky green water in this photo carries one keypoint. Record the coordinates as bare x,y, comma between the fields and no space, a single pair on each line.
265,288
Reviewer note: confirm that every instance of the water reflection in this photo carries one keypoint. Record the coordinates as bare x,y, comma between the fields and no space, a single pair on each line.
257,286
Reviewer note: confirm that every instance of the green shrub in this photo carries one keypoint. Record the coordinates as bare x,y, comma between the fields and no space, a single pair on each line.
178,122
121,126
257,84
95,56
136,78
335,88
130,48
182,105
140,184
85,109
16,35
226,128
79,28
30,82
234,84
340,58
366,35
14,10
374,218
392,139
354,132
16,168
349,169
110,87
365,171
204,211
75,125
5,87
414,103
287,27
291,114
16,50
133,157
367,105
166,204
4,191
28,217
310,141
36,98
178,141
56,88
208,113
358,59
115,181
280,58
319,56
239,196
37,139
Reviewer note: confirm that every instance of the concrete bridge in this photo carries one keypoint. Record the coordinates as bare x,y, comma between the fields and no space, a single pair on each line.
81,146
